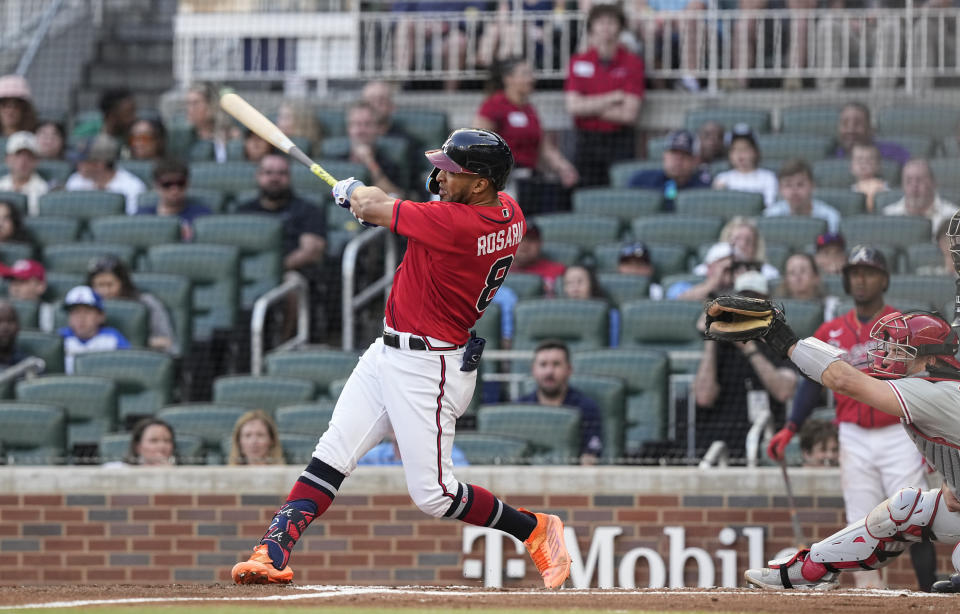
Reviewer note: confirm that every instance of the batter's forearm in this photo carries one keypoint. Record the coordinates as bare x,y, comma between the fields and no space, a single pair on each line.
373,205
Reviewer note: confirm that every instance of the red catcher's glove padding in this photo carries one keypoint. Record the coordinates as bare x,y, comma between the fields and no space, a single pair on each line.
778,443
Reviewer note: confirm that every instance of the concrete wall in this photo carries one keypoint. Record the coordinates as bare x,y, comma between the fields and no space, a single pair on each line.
190,524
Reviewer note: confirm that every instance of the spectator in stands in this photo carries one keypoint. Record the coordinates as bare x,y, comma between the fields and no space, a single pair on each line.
717,271
110,279
746,174
304,224
298,119
152,444
509,112
85,330
796,196
97,170
12,229
387,452
503,37
710,146
23,178
734,381
551,369
208,124
255,147
16,106
801,281
820,444
684,36
171,180
920,195
118,110
635,259
255,440
853,127
363,128
604,90
28,282
830,253
9,329
681,170
51,140
450,35
148,139
580,283
530,259
865,168
379,95
946,266
878,38
749,248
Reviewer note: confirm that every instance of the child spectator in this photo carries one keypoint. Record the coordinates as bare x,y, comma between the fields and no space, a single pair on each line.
865,167
85,330
635,259
580,283
746,176
819,444
51,140
796,196
831,253
255,440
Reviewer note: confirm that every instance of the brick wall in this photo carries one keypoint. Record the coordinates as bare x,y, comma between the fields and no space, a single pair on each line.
190,524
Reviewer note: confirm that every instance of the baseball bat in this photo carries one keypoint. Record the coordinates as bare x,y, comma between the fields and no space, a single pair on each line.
250,117
794,520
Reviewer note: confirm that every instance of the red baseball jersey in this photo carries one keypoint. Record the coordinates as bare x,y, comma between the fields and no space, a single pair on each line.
457,258
518,125
848,333
589,75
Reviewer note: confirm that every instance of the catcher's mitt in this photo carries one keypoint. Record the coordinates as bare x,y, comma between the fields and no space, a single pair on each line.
739,318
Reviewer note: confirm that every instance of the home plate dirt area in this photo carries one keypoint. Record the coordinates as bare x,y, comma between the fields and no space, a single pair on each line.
189,596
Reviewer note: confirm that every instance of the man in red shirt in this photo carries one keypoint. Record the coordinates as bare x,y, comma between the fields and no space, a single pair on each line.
604,90
418,378
868,477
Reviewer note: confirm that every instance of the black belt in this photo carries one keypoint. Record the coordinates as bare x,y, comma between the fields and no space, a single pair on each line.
416,343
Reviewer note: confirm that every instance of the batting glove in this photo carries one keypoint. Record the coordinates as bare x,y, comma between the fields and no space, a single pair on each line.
343,190
778,443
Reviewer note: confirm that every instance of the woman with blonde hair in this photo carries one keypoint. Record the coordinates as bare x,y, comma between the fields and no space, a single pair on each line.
255,440
748,246
298,118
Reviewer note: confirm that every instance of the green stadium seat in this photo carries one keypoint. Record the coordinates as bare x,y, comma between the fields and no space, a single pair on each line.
207,421
115,446
90,402
945,171
622,203
16,199
76,257
776,255
141,168
33,433
899,231
610,395
28,313
10,252
552,432
796,232
583,230
844,200
297,448
483,449
785,145
566,254
322,367
932,290
215,200
227,177
175,293
526,285
621,288
333,121
138,231
82,205
918,145
488,326
266,392
144,379
921,120
644,372
52,230
833,284
813,120
923,255
308,418
582,324
667,325
805,317
48,346
58,283
723,204
883,199
260,240
214,273
835,173
675,229
621,172
54,171
758,119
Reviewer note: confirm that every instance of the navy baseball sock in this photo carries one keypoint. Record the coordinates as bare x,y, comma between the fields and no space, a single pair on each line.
477,506
310,497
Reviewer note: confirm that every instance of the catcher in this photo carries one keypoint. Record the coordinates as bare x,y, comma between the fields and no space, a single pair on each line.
916,379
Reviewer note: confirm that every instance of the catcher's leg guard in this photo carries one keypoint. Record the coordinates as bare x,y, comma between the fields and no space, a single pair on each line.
797,571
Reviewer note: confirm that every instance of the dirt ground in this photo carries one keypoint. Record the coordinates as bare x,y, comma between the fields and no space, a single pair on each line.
466,598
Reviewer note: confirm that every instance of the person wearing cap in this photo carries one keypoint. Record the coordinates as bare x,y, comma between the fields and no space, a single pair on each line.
830,253
746,174
868,477
28,283
635,259
530,259
16,106
736,381
717,269
604,91
85,330
920,197
796,196
21,159
97,170
681,170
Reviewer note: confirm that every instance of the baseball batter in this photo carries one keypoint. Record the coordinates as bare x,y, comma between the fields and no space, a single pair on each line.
418,378
915,354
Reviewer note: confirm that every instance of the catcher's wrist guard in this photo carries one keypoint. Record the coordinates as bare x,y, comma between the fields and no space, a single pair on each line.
779,336
812,356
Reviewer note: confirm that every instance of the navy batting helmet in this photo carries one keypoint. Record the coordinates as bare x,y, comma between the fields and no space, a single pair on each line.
864,255
467,150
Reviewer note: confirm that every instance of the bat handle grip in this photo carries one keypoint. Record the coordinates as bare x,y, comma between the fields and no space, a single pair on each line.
317,170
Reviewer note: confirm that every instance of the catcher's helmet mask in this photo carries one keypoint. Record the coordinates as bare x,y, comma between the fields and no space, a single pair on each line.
901,337
864,256
478,152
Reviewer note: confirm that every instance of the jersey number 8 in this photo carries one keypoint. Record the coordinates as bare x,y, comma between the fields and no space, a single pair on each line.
495,278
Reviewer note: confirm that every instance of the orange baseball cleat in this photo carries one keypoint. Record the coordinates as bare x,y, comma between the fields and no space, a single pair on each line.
259,569
548,549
